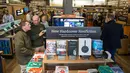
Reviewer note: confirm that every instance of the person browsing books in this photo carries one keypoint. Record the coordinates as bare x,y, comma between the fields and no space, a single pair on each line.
23,49
36,33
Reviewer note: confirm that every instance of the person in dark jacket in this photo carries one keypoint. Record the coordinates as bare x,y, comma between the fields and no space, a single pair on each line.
23,49
36,34
111,35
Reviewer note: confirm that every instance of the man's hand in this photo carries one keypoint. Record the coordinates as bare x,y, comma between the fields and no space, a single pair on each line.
41,33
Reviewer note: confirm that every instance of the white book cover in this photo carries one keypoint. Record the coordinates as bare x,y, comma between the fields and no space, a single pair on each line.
85,46
50,47
61,69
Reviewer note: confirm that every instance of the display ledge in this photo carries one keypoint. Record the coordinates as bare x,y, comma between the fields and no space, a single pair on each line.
127,25
92,59
4,32
70,71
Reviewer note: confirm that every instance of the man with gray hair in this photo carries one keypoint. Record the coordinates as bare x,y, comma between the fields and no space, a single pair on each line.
36,34
111,35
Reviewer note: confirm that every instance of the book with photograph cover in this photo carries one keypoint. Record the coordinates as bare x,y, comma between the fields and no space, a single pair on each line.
61,47
50,47
97,47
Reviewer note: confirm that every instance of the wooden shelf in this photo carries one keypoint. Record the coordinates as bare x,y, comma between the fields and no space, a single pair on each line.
78,60
76,63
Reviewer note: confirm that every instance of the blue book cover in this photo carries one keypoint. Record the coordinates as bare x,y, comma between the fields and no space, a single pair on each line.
117,69
97,46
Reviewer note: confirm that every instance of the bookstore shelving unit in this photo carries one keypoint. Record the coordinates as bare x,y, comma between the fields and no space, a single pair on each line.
63,55
7,37
75,63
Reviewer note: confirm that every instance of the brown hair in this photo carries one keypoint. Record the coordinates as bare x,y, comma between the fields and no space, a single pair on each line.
22,23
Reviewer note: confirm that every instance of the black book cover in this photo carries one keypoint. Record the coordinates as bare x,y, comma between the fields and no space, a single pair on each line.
72,47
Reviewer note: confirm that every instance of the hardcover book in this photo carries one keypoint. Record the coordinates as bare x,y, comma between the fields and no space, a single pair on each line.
97,46
85,46
72,47
61,69
50,47
61,47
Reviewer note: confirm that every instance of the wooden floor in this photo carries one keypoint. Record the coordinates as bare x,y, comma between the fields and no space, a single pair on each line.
13,67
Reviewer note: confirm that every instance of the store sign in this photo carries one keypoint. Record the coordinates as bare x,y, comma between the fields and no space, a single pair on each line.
73,32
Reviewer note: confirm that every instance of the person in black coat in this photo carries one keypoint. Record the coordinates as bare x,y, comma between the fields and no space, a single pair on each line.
111,35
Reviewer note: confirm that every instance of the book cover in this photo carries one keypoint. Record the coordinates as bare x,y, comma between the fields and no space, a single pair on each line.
97,46
35,70
105,69
85,46
61,69
117,69
39,55
50,47
61,47
72,47
33,65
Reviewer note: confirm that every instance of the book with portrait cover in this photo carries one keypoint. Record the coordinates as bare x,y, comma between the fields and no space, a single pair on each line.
50,47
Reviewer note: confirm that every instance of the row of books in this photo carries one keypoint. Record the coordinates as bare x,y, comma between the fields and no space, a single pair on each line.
5,46
101,69
35,64
82,46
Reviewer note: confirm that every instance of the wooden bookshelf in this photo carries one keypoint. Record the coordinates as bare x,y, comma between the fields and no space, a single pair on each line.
91,60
